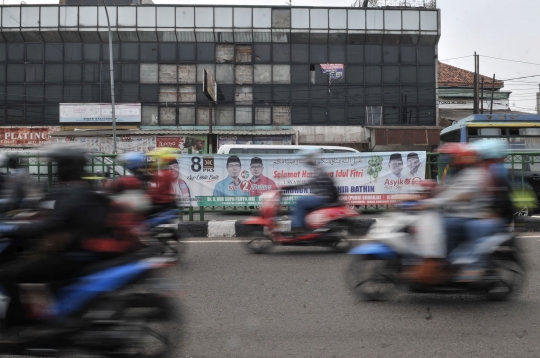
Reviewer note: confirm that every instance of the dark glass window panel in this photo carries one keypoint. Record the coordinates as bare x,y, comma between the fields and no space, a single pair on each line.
356,115
281,53
200,97
206,52
2,73
337,53
54,52
91,72
116,52
262,94
408,54
409,95
391,54
167,52
130,92
408,74
318,95
34,93
2,52
355,75
373,54
391,75
91,93
318,53
54,73
73,93
2,114
149,93
15,73
336,115
106,93
426,75
92,52
73,52
130,72
186,52
34,73
373,75
300,53
355,53
73,73
318,115
34,53
392,95
281,94
391,116
3,94
149,52
426,55
374,96
51,114
409,115
130,51
106,73
15,114
426,116
355,95
337,94
300,115
226,94
300,74
15,94
34,114
16,52
262,53
426,94
320,77
299,94
53,93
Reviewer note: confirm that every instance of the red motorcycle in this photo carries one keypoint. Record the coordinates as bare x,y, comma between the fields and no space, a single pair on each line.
327,226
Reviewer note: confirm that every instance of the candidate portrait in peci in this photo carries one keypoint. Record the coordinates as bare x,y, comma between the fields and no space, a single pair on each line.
230,186
259,182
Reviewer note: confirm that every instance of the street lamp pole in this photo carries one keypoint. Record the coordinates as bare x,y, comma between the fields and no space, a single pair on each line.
112,77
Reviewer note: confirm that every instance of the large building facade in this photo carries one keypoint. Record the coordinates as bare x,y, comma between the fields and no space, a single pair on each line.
268,62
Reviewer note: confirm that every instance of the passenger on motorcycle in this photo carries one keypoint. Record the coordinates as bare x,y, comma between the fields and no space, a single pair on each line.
323,191
78,230
161,188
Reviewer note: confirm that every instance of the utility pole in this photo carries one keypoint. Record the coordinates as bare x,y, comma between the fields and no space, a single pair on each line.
482,97
475,95
538,100
112,78
492,92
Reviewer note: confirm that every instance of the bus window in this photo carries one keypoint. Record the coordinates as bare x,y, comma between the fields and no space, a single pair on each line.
490,131
256,151
236,151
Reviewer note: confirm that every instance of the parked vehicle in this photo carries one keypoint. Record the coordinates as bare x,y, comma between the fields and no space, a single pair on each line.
327,226
278,149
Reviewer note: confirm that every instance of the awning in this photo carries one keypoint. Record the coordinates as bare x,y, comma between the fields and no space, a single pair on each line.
135,132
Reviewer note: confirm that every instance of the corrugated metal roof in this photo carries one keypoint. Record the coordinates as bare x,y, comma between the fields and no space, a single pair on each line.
108,132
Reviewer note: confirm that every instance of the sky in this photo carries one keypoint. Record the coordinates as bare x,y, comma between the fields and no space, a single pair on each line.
505,33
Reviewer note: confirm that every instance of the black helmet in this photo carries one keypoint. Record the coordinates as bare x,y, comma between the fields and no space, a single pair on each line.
70,160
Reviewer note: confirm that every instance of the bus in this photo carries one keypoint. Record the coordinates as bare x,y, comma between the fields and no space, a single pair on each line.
521,131
278,149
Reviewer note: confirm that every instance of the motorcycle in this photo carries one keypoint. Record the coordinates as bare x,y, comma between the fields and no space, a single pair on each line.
162,229
377,268
113,308
327,226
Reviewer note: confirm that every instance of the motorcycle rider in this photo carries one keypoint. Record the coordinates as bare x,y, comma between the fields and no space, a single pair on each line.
323,191
161,188
78,230
16,186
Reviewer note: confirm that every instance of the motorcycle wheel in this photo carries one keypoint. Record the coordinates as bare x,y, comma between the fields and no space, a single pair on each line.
509,276
259,245
342,245
370,278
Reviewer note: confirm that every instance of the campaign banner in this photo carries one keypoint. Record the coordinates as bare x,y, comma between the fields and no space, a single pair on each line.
361,178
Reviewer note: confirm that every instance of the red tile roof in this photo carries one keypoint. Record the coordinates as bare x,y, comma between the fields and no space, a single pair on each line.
450,76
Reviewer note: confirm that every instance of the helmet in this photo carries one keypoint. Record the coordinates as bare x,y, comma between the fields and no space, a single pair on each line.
310,155
163,156
491,148
459,153
70,159
132,160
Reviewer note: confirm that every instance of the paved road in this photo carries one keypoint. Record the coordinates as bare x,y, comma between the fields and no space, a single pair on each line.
293,303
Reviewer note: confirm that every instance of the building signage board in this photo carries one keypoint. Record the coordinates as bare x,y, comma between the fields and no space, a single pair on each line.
26,136
446,103
99,113
209,86
184,143
254,139
362,178
335,71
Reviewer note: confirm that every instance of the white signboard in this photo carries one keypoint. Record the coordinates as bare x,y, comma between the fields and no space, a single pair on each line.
500,104
99,113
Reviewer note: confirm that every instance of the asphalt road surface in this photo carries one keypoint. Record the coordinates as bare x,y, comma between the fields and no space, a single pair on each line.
293,303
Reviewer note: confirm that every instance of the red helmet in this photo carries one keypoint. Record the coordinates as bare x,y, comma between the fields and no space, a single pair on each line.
461,153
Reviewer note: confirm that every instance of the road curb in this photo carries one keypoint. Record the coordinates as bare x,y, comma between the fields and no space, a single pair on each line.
235,228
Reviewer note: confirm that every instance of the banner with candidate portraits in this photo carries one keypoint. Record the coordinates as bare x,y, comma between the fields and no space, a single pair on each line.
367,178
